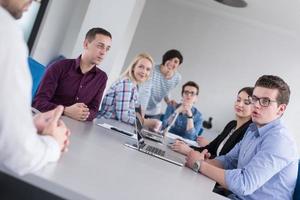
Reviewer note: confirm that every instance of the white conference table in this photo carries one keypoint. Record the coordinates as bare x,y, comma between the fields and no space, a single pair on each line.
99,166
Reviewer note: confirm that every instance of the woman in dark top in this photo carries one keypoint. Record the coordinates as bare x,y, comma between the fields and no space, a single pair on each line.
233,132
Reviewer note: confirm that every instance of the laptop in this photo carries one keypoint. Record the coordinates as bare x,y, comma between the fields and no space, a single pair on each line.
156,136
158,150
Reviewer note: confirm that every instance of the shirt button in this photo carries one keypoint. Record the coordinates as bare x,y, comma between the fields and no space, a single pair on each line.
80,86
77,98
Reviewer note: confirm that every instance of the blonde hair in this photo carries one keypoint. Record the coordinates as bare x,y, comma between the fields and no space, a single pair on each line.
129,71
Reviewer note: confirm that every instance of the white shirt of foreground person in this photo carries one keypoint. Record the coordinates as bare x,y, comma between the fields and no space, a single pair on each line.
22,150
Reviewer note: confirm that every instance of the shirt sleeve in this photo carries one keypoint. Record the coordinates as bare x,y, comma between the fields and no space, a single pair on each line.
47,88
95,103
230,160
125,92
144,94
193,133
268,161
169,111
22,149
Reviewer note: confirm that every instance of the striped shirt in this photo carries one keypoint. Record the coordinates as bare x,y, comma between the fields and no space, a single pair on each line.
153,91
120,101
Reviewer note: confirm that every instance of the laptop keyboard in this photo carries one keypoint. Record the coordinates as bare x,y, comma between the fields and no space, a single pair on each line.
155,150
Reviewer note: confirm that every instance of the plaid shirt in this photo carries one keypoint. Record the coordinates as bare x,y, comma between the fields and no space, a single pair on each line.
120,101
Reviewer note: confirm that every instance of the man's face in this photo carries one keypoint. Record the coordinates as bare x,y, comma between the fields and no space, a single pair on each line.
262,115
189,94
97,49
16,7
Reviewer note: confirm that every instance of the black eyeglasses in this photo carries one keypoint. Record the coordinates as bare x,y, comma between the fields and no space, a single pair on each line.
263,101
186,92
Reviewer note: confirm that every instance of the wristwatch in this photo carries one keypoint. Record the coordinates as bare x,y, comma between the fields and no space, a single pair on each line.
196,166
189,117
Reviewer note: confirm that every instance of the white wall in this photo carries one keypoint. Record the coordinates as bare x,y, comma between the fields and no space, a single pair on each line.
67,21
121,19
54,29
221,53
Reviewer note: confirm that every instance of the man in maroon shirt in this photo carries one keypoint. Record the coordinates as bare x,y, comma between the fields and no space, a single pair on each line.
77,84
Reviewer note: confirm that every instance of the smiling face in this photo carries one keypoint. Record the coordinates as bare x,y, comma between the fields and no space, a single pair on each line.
142,70
170,67
242,105
96,49
262,115
16,7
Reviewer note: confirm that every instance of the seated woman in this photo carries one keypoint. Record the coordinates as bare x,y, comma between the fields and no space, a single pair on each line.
189,121
121,98
233,132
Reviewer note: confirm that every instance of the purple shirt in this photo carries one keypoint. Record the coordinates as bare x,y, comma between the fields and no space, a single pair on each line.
65,84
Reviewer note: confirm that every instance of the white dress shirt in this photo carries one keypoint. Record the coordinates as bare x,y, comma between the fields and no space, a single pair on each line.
22,150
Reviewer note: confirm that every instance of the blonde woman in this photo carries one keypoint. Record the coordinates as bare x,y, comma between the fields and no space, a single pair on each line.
121,98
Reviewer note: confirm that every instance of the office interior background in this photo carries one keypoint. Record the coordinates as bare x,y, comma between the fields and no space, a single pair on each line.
224,48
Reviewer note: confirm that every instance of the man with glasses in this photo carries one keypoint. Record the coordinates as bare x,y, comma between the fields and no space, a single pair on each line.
189,121
77,84
264,164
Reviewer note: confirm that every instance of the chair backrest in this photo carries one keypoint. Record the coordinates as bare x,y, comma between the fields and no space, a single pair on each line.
297,188
37,71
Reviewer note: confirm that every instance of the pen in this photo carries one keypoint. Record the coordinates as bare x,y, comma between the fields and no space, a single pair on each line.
120,131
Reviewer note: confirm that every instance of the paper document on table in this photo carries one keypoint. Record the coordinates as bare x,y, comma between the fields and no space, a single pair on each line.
189,142
108,126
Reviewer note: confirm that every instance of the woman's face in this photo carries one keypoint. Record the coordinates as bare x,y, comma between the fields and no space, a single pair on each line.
242,105
142,70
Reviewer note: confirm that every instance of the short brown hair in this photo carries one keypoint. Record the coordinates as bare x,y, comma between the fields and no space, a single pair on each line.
275,82
192,84
90,35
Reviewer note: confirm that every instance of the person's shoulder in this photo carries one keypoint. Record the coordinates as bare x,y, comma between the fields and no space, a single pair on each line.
231,123
62,64
124,81
176,78
101,73
196,111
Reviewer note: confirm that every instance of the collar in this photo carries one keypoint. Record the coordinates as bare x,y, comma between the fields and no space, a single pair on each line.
77,65
264,129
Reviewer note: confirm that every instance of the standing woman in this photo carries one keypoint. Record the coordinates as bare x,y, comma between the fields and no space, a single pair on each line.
233,132
121,98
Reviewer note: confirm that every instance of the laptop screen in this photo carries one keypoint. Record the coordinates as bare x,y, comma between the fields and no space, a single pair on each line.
139,127
139,120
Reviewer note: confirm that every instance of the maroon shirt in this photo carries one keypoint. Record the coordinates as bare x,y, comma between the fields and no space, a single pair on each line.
65,84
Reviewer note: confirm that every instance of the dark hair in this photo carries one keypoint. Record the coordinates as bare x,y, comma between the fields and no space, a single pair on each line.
192,84
90,35
173,53
248,90
275,82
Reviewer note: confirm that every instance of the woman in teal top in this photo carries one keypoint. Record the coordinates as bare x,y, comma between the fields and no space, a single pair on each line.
189,121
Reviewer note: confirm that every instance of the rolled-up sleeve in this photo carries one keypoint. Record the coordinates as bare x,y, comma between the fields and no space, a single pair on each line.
230,160
271,158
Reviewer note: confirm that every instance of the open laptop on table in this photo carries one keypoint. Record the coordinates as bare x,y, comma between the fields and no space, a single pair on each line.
156,136
155,149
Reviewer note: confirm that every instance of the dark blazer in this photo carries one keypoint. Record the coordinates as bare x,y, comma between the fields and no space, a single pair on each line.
231,142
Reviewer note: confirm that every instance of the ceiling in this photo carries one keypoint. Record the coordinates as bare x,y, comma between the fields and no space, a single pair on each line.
283,15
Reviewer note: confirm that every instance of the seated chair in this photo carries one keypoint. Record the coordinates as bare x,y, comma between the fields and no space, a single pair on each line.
37,71
297,188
